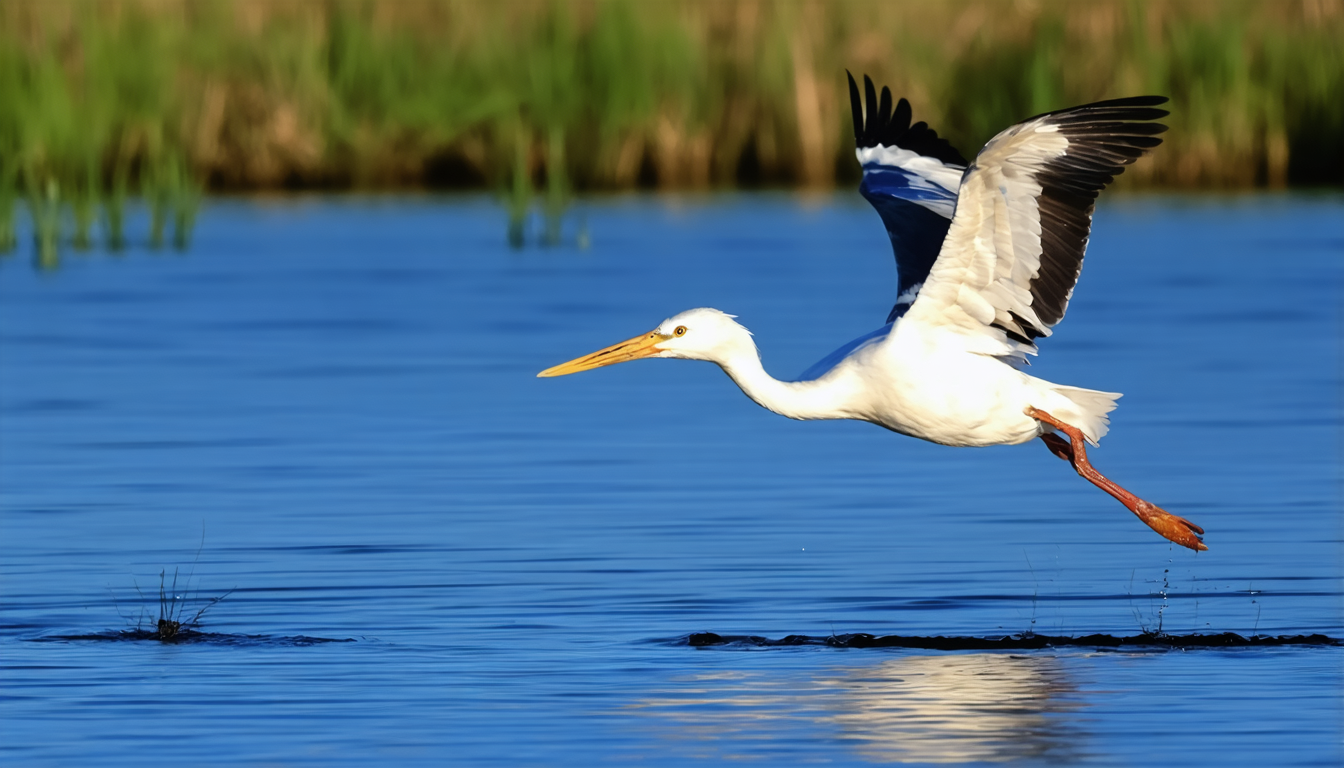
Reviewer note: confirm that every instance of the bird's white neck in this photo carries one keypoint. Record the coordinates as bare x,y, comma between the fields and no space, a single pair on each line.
713,336
794,399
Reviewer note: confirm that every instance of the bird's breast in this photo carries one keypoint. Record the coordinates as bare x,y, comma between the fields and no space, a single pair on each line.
948,396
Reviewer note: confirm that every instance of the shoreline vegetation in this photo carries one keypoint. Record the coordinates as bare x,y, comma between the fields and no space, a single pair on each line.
538,99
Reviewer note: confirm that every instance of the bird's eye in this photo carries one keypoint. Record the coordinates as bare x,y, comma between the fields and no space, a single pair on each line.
681,330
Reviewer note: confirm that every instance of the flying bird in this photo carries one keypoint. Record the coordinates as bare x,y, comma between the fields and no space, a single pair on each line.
987,256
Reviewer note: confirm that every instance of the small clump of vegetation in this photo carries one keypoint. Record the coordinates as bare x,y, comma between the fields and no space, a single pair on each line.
171,624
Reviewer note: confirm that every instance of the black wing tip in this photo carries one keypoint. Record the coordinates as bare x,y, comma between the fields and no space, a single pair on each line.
880,124
855,108
1151,100
870,99
1128,109
884,123
1105,137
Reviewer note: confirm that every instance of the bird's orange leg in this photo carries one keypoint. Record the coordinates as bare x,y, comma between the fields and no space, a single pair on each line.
1074,450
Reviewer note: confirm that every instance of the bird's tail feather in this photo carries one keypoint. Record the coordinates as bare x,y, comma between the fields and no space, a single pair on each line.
1088,412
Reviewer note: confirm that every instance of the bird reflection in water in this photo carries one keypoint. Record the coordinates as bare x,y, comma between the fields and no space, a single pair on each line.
917,709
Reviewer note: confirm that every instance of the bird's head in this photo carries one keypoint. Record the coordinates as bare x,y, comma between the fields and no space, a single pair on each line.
696,334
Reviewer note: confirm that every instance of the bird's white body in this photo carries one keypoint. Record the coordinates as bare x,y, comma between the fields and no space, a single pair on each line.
911,379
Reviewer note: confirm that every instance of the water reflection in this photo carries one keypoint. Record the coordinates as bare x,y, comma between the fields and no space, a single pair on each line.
908,709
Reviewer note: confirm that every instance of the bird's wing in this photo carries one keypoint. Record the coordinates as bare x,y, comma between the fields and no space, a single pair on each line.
910,175
1012,256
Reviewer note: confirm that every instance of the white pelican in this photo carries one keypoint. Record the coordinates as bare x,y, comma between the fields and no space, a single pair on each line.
987,256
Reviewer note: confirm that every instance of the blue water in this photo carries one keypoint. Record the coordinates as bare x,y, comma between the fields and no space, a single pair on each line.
333,402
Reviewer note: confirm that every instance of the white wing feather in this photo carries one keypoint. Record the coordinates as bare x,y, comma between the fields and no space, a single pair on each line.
993,247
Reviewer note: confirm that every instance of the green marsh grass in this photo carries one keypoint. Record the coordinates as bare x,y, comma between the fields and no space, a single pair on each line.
543,99
114,212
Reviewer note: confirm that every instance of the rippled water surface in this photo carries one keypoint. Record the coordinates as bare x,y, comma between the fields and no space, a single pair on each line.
334,402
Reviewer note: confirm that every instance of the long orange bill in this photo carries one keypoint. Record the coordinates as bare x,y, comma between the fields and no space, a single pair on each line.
630,349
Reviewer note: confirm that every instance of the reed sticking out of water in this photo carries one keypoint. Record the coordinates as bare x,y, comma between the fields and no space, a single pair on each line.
557,188
159,195
518,188
114,211
186,204
8,201
84,206
44,208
